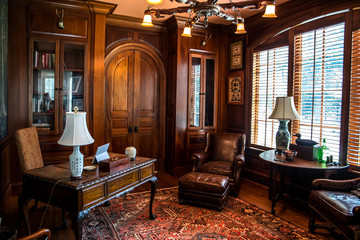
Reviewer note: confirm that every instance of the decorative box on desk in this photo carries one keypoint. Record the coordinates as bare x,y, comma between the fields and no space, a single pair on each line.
113,164
306,152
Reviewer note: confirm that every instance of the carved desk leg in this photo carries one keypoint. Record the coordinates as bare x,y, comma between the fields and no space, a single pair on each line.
77,221
24,211
153,182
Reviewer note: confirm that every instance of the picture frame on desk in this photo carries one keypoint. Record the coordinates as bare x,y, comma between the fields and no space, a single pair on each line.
236,55
236,89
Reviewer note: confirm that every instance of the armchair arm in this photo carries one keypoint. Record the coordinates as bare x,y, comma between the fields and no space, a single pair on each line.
239,160
199,159
335,185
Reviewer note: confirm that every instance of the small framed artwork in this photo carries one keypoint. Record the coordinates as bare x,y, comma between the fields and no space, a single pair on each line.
77,81
79,103
236,55
236,90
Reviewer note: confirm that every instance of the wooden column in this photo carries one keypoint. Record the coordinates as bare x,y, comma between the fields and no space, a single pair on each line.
98,86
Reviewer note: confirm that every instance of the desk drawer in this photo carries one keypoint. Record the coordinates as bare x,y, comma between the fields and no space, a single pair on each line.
146,171
117,184
94,193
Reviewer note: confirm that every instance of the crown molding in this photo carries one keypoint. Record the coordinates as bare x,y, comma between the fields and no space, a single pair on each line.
76,5
135,23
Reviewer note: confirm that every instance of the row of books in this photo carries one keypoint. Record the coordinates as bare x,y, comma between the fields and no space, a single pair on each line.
44,59
40,105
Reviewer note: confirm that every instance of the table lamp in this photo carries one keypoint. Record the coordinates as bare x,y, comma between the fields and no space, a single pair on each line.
76,134
284,111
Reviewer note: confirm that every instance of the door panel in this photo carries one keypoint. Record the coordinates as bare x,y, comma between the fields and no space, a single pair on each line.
132,90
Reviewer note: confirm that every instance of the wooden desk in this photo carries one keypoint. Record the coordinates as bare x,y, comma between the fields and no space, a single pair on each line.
80,196
297,164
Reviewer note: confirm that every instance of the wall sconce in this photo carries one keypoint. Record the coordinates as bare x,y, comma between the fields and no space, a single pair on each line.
207,37
61,19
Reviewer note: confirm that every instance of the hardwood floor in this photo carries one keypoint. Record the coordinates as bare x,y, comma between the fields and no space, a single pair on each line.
291,210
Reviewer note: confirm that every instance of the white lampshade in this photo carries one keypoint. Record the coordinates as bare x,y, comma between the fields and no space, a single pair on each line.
284,109
154,2
186,32
240,28
270,11
147,21
76,132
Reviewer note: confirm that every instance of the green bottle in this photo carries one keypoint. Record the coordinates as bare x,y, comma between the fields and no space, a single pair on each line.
323,152
326,152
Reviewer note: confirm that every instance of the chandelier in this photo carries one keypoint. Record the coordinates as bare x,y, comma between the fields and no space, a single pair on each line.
207,9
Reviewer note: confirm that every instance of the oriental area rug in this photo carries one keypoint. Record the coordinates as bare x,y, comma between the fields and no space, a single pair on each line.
128,218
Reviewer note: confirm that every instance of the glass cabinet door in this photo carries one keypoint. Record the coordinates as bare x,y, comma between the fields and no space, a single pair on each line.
43,78
195,88
73,79
201,94
209,92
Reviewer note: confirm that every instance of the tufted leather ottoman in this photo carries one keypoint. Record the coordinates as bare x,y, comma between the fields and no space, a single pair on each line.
204,188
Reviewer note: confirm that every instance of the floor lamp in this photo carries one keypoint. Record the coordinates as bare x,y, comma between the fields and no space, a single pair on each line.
284,111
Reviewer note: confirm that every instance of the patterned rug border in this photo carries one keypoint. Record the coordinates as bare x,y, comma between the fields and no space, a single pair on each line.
235,198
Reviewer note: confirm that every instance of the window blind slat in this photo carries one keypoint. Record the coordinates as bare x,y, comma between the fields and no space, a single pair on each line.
317,87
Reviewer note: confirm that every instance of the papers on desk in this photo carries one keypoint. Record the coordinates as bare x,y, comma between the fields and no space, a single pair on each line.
101,153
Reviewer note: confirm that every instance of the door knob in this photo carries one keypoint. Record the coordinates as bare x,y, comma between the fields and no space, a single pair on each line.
129,129
136,129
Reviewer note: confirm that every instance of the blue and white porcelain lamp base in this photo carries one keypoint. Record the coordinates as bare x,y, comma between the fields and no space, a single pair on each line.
282,136
76,163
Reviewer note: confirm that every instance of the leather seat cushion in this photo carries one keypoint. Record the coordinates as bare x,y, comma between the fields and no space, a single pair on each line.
217,167
204,182
339,204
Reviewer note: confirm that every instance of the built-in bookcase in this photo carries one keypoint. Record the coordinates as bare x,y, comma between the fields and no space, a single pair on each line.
56,83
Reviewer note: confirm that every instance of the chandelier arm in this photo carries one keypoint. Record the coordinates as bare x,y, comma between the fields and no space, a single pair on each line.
251,4
190,2
171,11
226,16
212,2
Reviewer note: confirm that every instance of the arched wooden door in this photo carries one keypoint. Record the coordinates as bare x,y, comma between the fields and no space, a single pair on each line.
133,78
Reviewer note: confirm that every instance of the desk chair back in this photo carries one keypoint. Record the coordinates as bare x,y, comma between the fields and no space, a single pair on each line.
28,146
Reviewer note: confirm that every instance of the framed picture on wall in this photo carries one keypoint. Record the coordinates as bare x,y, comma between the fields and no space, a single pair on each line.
236,55
236,89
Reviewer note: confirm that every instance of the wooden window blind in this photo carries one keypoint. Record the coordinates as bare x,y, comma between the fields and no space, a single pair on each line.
317,84
270,74
353,154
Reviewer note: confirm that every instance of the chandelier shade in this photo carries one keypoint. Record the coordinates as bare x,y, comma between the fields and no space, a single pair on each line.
270,11
205,9
147,22
154,2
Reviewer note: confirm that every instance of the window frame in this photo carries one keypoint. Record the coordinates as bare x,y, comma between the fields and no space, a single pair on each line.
287,38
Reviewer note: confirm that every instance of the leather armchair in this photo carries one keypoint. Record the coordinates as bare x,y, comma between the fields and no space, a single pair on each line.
223,155
334,201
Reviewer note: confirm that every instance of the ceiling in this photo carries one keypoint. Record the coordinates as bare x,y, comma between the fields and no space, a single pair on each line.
136,8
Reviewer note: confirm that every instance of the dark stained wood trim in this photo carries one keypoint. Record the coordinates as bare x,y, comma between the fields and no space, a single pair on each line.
344,131
79,6
134,23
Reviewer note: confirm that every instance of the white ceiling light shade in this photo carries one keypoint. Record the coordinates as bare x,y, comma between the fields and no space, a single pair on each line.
270,11
154,2
147,22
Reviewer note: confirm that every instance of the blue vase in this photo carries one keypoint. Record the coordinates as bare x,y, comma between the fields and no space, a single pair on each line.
283,135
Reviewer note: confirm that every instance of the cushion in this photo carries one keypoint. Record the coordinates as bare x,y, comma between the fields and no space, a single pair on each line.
217,167
339,204
204,182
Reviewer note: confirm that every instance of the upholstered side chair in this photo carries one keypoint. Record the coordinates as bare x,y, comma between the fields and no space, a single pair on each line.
334,202
29,151
223,155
